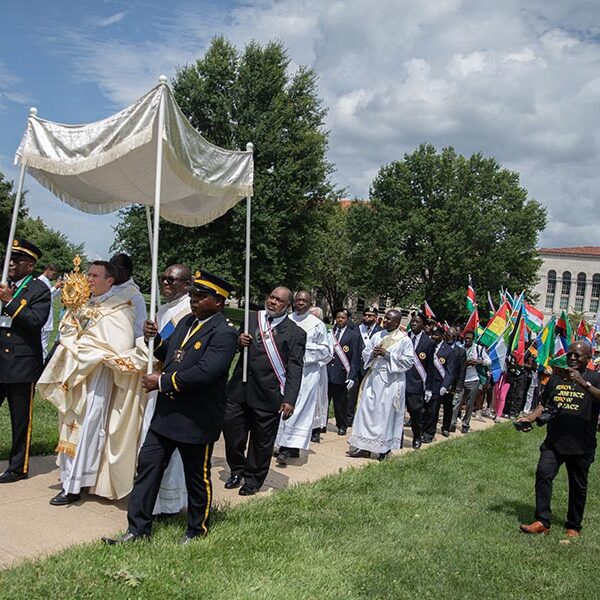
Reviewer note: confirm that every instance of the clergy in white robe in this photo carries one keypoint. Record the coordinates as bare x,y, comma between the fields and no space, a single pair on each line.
174,282
295,433
379,421
322,408
100,406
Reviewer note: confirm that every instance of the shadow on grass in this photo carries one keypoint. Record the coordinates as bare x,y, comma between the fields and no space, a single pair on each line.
514,508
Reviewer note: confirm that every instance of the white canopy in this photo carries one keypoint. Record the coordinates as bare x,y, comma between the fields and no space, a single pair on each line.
103,166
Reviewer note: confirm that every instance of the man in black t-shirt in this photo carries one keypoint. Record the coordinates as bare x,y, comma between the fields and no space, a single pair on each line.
572,398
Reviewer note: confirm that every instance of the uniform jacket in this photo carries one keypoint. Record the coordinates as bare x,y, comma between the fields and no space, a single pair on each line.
20,346
447,359
351,344
190,407
262,388
423,354
460,359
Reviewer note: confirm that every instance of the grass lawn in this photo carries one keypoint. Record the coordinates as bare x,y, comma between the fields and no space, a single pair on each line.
440,523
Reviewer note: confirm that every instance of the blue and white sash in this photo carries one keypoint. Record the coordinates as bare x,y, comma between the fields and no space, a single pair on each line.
438,365
266,334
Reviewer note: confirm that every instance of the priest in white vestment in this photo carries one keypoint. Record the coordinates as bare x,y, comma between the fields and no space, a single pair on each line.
294,433
174,287
322,409
100,407
379,421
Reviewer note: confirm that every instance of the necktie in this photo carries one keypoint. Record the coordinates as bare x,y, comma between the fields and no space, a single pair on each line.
13,287
414,340
338,334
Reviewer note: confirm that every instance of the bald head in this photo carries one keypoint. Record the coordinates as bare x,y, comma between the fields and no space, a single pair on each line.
175,282
391,320
578,355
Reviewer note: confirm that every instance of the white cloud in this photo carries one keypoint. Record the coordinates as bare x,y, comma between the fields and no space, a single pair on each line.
514,82
107,21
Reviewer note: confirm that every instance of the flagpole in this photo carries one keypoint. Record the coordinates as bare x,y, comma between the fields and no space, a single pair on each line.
157,188
249,148
150,235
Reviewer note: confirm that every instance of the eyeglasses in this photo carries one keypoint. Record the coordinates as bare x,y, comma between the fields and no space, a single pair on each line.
573,355
171,280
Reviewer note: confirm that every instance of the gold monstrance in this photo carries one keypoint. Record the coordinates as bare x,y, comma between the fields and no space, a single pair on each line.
75,289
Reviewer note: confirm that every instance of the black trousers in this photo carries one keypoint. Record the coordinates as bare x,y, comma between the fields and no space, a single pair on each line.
516,393
153,459
20,405
254,429
352,400
578,466
339,395
432,414
415,404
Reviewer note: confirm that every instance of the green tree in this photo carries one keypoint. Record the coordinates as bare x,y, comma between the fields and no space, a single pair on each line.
434,219
233,98
55,246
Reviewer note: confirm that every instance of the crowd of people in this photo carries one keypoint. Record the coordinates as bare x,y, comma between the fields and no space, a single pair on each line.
126,429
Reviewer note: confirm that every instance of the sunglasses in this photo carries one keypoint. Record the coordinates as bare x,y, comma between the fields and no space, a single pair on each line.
171,280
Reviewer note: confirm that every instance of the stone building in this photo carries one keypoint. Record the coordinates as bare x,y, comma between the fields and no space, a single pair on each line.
569,280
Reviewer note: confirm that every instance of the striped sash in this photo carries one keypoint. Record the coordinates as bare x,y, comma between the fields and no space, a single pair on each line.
340,354
266,334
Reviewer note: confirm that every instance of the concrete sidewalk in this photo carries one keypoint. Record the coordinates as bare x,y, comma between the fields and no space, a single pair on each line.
31,528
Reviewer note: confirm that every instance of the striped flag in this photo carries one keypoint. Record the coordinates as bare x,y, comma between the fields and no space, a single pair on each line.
564,330
471,299
517,340
496,326
497,354
560,353
427,310
584,331
534,318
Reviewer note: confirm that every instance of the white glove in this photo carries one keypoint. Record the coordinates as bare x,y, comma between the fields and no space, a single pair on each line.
443,391
427,395
349,384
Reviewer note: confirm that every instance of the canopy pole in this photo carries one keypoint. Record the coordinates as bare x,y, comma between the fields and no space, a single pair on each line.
149,224
249,148
157,187
15,213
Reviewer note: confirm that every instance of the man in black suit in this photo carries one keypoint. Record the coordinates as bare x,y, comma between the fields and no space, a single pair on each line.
460,371
343,370
441,378
418,389
366,329
25,305
190,408
254,408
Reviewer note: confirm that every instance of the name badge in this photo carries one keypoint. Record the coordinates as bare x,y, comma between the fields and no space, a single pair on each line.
5,322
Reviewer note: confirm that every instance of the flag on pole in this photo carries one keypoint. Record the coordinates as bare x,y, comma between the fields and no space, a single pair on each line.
517,340
545,344
560,353
472,323
427,310
534,318
584,331
564,330
496,326
497,354
471,299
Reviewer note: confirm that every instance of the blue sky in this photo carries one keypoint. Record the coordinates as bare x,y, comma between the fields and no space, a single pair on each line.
519,81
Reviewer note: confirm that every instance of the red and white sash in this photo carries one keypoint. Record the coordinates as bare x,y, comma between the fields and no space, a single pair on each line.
438,365
340,354
266,334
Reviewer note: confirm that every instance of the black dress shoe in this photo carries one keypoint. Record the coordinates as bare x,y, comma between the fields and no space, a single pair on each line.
427,439
445,433
417,443
383,456
247,490
234,481
126,538
282,459
315,438
358,453
323,429
11,477
62,499
188,538
342,431
452,428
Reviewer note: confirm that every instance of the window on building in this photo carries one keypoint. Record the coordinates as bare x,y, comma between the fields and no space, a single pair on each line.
550,289
580,291
595,299
565,290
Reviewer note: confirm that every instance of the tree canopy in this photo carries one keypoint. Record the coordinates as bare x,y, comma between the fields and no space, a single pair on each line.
232,98
436,217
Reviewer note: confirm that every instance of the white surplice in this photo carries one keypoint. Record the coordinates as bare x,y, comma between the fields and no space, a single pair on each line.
172,496
295,432
379,420
139,304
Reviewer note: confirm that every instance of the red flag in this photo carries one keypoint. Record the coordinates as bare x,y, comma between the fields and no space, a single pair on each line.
427,310
472,323
584,330
471,300
519,347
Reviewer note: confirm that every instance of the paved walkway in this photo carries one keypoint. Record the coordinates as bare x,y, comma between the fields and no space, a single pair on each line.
30,527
